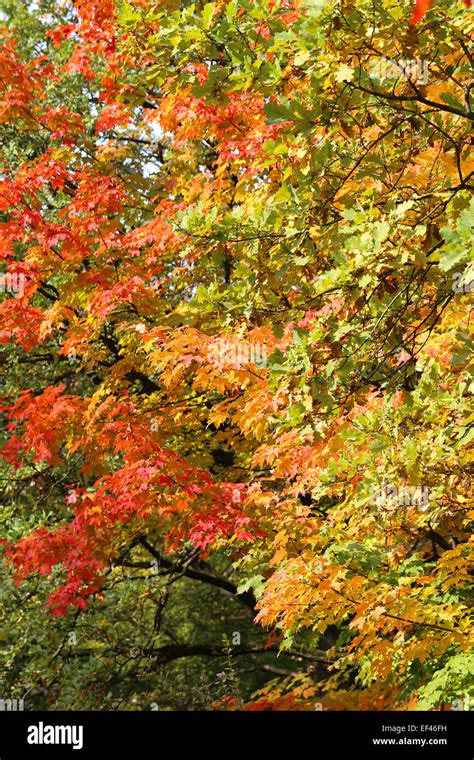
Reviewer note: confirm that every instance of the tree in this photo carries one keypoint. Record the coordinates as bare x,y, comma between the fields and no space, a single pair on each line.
238,267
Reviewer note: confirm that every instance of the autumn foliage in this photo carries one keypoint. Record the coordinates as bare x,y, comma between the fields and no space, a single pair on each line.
236,326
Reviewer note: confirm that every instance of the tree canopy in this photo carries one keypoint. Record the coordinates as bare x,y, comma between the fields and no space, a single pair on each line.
236,350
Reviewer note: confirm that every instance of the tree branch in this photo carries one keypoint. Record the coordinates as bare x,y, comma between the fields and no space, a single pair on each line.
246,598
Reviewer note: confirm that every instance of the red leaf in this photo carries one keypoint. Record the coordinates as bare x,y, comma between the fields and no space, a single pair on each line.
421,7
